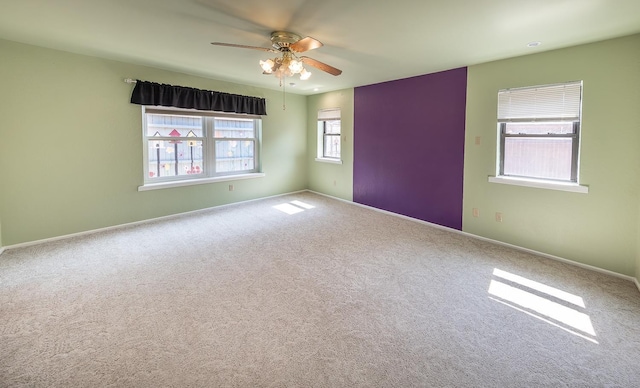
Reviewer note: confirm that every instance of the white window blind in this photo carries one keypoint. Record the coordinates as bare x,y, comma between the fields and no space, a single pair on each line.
547,102
329,114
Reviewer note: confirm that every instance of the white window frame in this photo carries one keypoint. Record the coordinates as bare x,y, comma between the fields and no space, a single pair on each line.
553,103
325,115
209,141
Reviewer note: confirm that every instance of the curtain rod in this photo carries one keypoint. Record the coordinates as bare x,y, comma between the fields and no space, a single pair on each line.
130,81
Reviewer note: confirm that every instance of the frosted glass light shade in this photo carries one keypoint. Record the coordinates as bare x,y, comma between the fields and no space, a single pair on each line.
304,74
267,65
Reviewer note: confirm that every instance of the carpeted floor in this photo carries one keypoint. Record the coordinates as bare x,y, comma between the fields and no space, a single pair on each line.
333,295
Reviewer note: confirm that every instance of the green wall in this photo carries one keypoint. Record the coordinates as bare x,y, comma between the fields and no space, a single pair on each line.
328,178
599,228
71,145
71,151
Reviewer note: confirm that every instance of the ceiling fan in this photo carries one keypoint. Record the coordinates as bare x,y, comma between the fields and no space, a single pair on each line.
289,63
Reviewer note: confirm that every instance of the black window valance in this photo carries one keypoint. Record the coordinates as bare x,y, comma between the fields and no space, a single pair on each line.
151,93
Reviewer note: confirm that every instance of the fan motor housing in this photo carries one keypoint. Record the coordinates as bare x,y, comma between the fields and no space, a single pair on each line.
283,38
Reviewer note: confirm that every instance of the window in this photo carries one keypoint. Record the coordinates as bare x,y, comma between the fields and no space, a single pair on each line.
184,145
539,132
329,135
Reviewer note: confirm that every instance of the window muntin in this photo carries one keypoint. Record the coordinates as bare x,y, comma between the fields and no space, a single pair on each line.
182,145
329,132
539,132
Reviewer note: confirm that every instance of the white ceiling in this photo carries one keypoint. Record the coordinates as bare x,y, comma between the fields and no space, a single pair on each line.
370,40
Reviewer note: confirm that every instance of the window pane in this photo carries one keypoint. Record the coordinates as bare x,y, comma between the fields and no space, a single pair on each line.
548,158
174,126
174,158
233,155
332,126
540,128
331,146
234,128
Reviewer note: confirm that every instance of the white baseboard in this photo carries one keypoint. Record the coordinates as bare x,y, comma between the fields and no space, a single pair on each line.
552,257
516,247
129,224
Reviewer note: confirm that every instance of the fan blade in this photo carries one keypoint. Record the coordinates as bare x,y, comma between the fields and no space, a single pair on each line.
322,66
305,44
244,46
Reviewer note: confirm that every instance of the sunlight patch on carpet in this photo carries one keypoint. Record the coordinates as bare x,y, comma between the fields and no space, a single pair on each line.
574,299
543,302
302,204
293,207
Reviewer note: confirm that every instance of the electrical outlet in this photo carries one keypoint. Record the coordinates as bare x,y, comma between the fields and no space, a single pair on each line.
231,187
476,212
477,140
498,217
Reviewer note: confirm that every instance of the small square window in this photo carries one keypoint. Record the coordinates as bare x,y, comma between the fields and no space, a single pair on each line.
329,127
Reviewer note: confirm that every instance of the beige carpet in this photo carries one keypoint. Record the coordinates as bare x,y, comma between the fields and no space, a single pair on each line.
334,295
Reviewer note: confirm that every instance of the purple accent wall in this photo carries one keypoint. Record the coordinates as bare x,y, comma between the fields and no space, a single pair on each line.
409,146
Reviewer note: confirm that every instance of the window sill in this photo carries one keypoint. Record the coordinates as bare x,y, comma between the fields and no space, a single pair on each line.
572,187
327,160
201,181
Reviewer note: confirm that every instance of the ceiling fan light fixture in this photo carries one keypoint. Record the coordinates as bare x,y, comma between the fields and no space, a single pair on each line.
285,66
267,65
295,66
304,74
